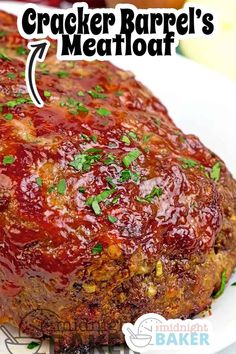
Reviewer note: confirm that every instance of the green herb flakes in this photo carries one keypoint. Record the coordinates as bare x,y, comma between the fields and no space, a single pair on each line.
112,219
85,137
8,116
17,101
103,112
4,57
125,140
11,76
97,249
47,93
95,200
21,50
127,175
51,189
215,172
147,137
84,161
98,88
39,181
62,74
188,163
96,207
75,107
8,160
110,181
110,159
81,108
222,285
119,93
95,94
116,199
131,157
132,135
156,192
42,65
94,138
82,189
80,93
61,186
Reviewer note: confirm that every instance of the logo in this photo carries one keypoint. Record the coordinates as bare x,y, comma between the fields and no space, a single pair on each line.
154,332
20,345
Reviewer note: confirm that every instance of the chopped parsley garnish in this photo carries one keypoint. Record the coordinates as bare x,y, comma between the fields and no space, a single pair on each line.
2,33
110,159
215,172
85,137
96,207
81,108
132,135
95,200
131,157
47,93
21,50
180,136
156,192
8,116
42,65
39,181
8,160
112,219
157,122
81,189
125,139
4,57
127,175
116,199
17,102
62,74
33,345
147,137
88,138
98,88
80,93
103,112
95,94
84,161
74,106
94,138
222,285
97,249
61,186
182,139
11,75
51,189
188,163
93,150
119,93
110,181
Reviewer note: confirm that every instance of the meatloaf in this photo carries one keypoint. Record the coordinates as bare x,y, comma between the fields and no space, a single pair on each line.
107,210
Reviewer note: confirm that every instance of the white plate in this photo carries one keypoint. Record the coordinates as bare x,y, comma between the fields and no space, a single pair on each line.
200,102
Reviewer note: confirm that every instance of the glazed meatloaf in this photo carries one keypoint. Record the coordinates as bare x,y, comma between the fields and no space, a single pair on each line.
107,210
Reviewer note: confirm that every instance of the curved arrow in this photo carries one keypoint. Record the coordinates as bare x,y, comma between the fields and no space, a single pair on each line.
38,51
